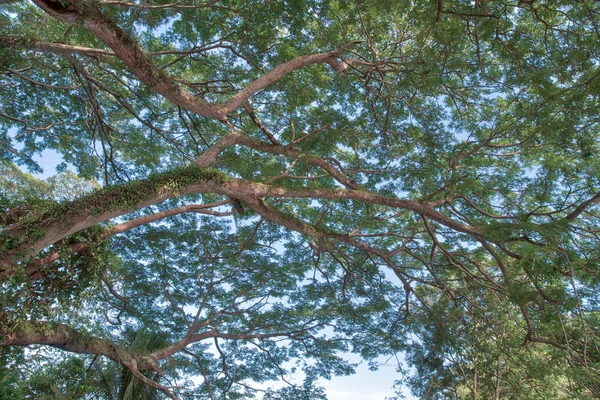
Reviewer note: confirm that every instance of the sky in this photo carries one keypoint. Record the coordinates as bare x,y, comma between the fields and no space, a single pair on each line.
364,385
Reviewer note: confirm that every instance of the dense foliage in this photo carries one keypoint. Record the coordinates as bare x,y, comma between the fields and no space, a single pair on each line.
259,187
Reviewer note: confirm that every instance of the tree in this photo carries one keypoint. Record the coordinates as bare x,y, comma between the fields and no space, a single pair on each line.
283,182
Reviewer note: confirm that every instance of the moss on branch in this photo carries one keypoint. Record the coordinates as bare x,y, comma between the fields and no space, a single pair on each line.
131,194
42,216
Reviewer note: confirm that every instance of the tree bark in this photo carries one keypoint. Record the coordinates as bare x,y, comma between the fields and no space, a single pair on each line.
66,338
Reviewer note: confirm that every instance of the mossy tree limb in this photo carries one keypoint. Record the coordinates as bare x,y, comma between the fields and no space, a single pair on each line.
68,218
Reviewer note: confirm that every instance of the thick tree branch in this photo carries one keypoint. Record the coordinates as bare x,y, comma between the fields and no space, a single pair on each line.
282,70
66,338
210,156
583,206
246,190
82,216
126,48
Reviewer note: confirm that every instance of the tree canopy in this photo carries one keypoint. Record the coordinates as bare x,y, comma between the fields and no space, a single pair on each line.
250,189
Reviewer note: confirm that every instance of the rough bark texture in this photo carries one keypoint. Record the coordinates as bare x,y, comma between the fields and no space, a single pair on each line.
66,338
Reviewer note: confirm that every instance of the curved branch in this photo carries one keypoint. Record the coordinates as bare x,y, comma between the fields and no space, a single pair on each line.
128,50
33,270
66,338
210,156
583,206
61,48
83,213
178,346
49,47
282,70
